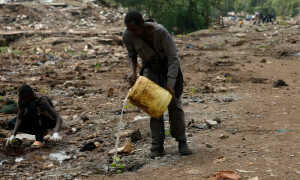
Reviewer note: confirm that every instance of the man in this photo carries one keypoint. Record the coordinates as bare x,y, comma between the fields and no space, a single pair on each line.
268,18
36,114
156,47
258,17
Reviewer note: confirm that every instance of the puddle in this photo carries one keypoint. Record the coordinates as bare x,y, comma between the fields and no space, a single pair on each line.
20,159
60,156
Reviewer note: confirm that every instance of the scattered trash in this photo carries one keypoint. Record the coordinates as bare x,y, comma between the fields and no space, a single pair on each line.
140,118
254,178
244,171
26,136
201,126
285,130
126,149
189,46
279,83
228,174
60,156
88,147
20,159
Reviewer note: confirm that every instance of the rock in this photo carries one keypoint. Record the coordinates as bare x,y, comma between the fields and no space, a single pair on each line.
88,147
279,83
222,136
98,144
209,146
89,137
84,117
185,103
238,43
189,134
124,133
263,61
189,46
136,136
126,149
110,92
2,42
211,123
243,137
218,120
259,30
48,166
90,126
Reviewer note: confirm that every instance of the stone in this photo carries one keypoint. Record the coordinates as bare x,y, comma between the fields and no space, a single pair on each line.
125,133
2,42
185,103
136,136
98,144
126,149
222,136
218,120
209,146
88,147
211,123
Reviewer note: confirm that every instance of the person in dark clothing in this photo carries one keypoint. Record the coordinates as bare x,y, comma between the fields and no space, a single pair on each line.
157,49
36,114
258,17
268,18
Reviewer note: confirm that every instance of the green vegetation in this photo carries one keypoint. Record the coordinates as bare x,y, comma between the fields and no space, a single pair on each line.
183,16
117,165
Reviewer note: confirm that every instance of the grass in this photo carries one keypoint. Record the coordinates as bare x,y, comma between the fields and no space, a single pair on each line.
3,50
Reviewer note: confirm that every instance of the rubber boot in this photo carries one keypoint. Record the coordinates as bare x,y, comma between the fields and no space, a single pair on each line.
156,152
182,145
184,150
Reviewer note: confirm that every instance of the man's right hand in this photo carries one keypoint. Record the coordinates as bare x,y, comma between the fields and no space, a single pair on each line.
10,140
132,79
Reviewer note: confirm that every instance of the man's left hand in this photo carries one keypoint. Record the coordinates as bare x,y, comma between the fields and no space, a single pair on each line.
171,90
56,137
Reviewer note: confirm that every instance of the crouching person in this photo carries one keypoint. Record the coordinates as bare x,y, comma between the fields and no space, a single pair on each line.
36,115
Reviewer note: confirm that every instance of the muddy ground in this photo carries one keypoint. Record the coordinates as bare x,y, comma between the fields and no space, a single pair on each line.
75,55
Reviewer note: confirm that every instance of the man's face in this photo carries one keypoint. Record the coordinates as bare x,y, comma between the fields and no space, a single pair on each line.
26,98
134,29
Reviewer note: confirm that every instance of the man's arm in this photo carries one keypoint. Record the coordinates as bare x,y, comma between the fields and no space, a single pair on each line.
57,117
133,74
132,54
18,122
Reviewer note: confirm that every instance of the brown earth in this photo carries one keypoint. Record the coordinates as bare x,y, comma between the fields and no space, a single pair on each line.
75,56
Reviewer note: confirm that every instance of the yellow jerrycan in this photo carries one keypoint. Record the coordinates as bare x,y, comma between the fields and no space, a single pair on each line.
149,97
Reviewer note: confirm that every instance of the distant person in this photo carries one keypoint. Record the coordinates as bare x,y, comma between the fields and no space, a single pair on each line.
36,114
258,17
268,18
241,23
157,49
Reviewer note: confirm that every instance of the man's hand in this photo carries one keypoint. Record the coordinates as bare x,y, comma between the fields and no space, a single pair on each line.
132,79
171,90
10,140
56,137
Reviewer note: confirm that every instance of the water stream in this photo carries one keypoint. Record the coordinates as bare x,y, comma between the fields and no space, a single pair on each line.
119,128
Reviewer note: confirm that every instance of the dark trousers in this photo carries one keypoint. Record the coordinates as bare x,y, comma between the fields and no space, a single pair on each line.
176,117
34,122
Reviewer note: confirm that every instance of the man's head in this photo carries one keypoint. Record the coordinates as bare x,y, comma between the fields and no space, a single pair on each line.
134,22
25,94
